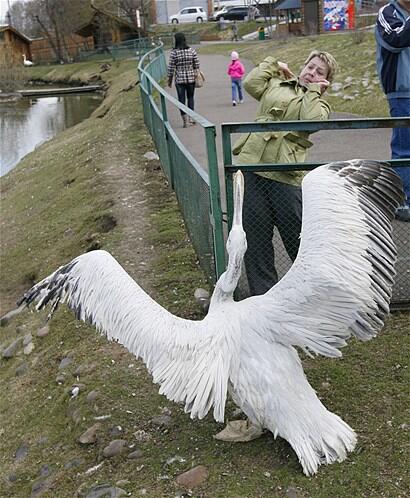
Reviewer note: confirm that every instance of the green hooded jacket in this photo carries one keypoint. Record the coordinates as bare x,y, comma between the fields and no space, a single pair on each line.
279,100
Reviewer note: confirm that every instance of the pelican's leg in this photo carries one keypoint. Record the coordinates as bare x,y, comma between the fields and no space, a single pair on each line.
240,431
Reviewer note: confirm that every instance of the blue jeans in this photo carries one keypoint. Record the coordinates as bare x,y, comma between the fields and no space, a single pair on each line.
236,90
400,142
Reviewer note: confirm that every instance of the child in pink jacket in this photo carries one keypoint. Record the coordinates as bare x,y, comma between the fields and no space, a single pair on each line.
236,71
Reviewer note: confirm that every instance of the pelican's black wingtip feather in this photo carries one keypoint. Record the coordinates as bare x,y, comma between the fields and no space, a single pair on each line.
369,175
379,193
48,290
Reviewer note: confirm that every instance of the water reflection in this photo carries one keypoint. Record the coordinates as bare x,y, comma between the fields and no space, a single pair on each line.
31,121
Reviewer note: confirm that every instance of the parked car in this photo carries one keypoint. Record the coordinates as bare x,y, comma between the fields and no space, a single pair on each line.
189,14
232,14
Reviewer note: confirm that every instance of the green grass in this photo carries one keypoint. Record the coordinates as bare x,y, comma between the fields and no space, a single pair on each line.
356,58
56,204
207,31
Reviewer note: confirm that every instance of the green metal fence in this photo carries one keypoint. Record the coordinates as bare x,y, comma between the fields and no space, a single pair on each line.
197,191
259,225
131,48
167,38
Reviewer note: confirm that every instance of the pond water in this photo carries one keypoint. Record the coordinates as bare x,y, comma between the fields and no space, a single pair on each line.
25,124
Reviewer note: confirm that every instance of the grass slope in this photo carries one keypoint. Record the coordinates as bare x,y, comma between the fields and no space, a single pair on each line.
90,187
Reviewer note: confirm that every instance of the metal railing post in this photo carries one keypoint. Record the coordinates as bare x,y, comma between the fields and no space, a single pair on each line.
227,159
215,200
170,165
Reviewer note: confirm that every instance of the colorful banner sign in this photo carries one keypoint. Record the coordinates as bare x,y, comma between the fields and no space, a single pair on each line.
338,15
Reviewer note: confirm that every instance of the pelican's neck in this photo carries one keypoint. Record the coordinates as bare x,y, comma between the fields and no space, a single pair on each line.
221,293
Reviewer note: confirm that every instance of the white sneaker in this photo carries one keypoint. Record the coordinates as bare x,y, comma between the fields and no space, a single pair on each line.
241,101
233,102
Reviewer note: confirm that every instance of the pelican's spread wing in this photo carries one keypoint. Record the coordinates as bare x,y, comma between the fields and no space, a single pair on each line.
341,281
188,360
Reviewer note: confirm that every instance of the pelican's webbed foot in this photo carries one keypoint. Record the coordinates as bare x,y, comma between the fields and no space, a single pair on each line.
239,431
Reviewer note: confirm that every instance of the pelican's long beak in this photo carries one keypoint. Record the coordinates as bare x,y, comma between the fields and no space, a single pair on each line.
238,192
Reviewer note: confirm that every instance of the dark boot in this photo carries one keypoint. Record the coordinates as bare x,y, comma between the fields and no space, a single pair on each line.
184,120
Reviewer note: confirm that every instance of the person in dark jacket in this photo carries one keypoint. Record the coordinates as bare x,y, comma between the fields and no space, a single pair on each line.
184,65
393,65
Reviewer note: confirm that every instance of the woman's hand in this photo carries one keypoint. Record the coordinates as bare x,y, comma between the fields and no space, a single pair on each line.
170,83
285,70
324,84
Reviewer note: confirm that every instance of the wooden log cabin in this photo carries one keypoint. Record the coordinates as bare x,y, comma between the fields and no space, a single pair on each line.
13,45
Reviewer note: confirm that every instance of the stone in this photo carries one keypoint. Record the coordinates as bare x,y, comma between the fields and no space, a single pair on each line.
21,369
39,486
193,478
122,482
27,339
29,348
135,454
292,493
92,396
90,435
162,421
21,452
151,156
43,331
116,447
4,320
64,363
10,351
202,297
336,87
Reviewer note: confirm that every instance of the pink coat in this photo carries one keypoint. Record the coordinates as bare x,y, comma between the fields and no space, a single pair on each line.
236,70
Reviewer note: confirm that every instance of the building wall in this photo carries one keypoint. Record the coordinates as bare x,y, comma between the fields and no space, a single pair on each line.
12,48
43,52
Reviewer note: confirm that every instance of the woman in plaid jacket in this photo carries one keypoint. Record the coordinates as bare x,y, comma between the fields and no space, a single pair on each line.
184,66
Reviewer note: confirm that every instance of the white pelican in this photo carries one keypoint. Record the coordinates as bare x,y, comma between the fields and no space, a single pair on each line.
339,286
26,62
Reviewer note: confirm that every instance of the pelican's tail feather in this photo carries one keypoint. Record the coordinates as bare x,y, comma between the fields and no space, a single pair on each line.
328,440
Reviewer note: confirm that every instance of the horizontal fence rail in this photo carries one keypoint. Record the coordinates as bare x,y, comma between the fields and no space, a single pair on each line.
197,191
401,230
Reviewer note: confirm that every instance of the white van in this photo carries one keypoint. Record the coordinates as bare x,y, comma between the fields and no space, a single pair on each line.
189,14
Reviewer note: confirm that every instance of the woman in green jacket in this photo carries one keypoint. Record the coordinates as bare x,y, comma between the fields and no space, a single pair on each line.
275,198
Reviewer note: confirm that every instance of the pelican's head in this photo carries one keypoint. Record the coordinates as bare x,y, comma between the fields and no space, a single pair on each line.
236,245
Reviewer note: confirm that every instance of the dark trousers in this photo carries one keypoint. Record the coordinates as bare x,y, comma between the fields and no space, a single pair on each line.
400,142
267,204
186,92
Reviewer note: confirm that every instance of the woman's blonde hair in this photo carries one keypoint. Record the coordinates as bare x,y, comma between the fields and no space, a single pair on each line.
328,59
